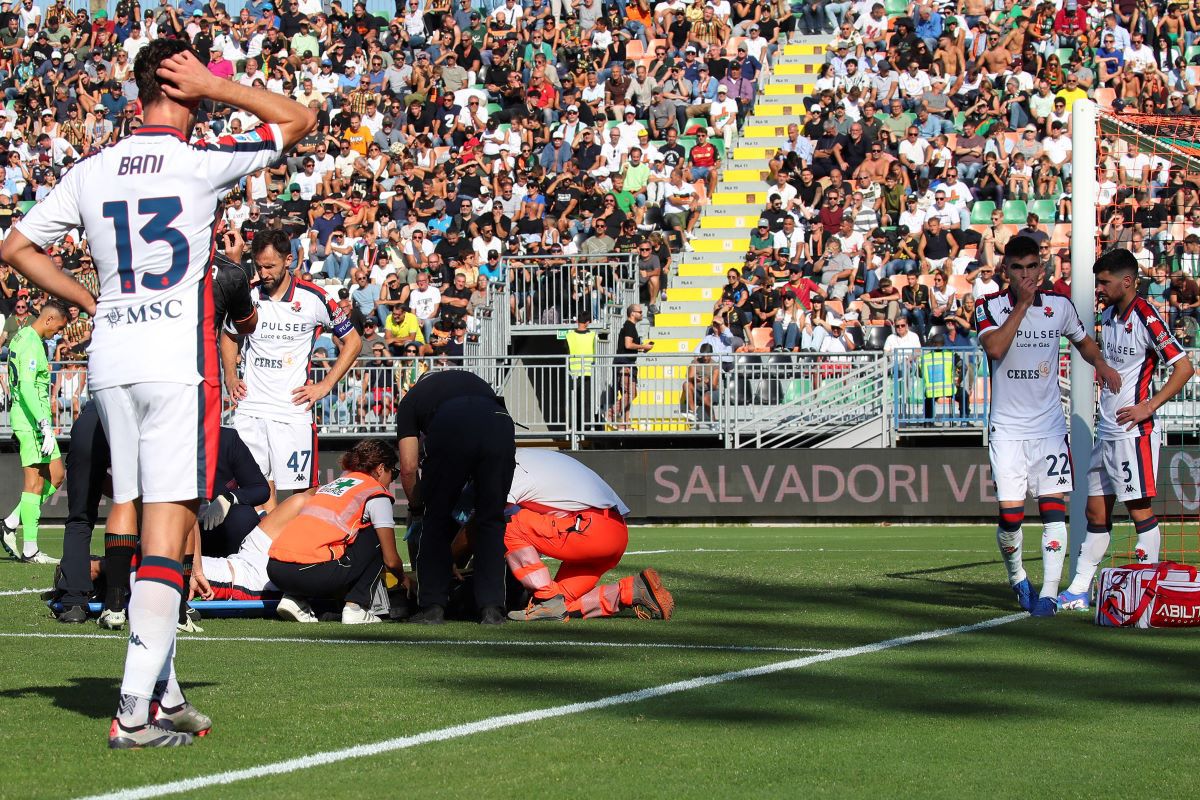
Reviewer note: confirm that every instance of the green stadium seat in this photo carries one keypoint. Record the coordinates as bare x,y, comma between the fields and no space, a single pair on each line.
1045,209
26,205
1064,54
896,8
1192,52
492,108
1015,212
981,212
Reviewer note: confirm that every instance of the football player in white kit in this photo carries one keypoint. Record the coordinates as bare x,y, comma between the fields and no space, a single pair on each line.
147,205
1124,460
1020,330
274,395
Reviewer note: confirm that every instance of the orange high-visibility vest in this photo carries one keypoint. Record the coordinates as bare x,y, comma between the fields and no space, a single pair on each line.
329,522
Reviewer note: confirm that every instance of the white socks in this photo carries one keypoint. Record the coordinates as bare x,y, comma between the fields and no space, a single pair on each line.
1091,553
153,612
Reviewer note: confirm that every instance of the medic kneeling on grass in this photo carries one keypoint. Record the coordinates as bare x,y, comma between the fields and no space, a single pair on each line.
561,509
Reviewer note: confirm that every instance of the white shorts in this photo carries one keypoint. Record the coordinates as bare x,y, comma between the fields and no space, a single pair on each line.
1125,468
243,575
1030,467
163,438
286,452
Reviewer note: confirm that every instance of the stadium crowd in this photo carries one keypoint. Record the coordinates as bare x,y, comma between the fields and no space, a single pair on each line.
452,135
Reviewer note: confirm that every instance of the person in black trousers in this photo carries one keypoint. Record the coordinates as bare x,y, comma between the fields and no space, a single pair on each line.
88,461
231,515
468,437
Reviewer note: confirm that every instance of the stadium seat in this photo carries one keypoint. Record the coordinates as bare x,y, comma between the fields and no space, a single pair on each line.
834,307
875,335
960,284
899,281
934,330
1015,211
896,8
981,212
634,50
1045,209
761,339
26,205
926,280
1064,54
1191,53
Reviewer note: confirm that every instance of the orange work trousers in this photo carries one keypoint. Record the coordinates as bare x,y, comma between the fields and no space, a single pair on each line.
588,543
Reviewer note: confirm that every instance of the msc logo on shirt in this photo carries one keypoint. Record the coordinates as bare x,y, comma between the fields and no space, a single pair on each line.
146,312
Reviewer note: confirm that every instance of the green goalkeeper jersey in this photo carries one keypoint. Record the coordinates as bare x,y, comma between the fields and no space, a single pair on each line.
28,380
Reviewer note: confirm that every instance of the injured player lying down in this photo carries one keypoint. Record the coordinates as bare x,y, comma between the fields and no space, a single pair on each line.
330,542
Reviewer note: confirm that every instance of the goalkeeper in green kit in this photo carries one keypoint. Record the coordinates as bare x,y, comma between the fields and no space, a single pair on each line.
29,385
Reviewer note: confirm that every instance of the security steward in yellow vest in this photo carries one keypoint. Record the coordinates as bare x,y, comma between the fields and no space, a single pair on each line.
581,344
937,371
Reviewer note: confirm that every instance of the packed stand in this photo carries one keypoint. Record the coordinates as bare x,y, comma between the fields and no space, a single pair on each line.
936,133
451,136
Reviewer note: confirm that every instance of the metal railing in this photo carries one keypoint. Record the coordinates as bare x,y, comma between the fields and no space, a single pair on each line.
544,293
765,400
940,388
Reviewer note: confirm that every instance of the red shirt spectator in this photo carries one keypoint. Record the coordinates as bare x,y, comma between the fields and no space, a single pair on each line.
703,155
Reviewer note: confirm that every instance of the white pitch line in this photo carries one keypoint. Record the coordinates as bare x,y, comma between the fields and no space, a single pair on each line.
13,592
732,648
801,550
521,718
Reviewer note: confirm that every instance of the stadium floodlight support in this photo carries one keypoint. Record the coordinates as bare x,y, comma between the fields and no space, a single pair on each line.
1083,295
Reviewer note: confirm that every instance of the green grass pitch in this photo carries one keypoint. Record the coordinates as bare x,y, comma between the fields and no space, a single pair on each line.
1052,707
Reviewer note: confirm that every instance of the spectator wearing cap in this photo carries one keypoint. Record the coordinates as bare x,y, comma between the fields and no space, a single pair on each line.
556,153
723,117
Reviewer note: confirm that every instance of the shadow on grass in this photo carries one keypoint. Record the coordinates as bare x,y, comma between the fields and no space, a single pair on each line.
89,697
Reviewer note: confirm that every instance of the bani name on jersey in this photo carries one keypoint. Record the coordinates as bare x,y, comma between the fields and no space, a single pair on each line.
153,254
1134,343
277,356
1026,400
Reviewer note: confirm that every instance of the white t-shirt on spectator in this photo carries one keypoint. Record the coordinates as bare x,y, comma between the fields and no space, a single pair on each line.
481,247
872,30
909,341
427,248
308,183
235,216
1140,59
1058,149
916,152
424,301
982,287
323,165
787,194
913,220
685,190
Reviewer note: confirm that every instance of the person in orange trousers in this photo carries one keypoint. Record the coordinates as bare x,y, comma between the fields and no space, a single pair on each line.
561,509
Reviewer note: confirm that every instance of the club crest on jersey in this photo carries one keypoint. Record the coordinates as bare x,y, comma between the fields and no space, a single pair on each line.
1129,327
296,306
1048,311
113,317
1053,546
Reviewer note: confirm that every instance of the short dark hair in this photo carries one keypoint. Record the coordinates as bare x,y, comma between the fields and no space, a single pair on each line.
145,68
1118,261
57,306
1020,247
277,240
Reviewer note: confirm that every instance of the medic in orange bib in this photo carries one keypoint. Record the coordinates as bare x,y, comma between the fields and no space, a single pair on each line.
561,509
